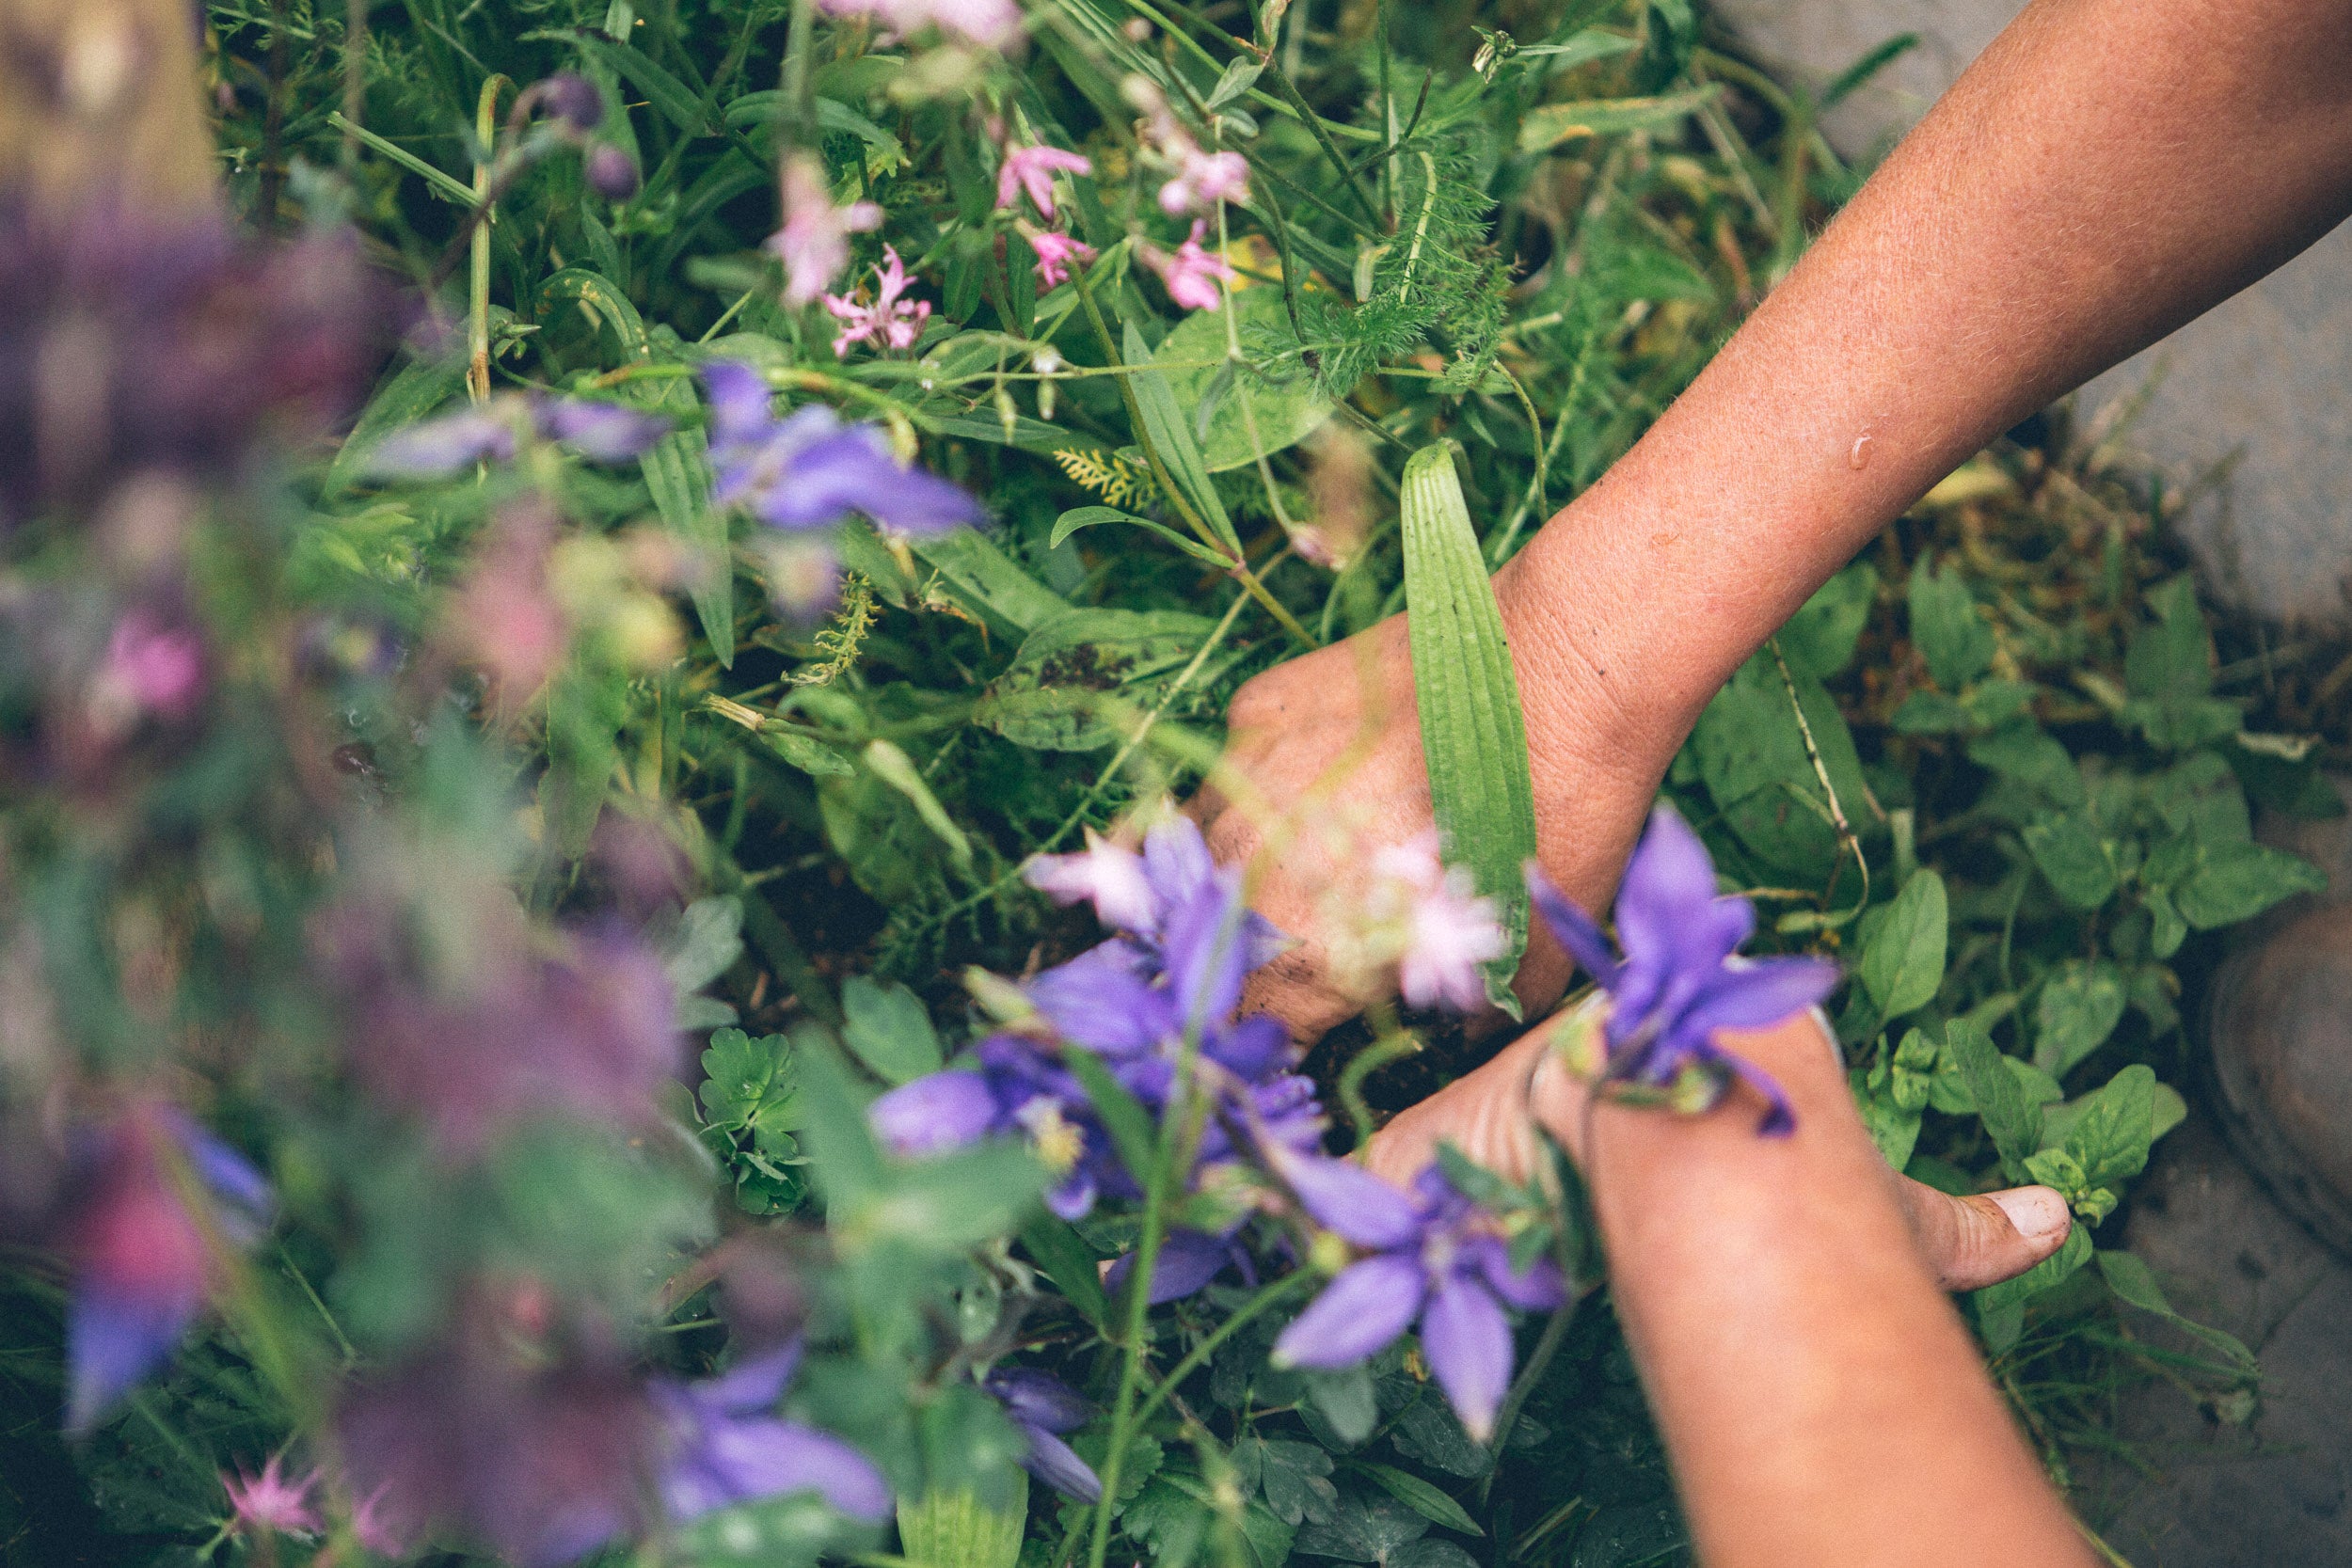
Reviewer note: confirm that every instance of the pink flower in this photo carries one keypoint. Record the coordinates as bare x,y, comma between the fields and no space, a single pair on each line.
813,242
889,321
1031,169
1203,179
1110,876
1192,275
1055,252
1446,930
153,665
270,1502
990,23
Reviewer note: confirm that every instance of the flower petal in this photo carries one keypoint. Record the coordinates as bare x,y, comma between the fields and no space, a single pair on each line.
1538,1287
436,447
755,1459
605,432
1188,1260
1359,1314
1349,1200
1668,886
1098,1000
1037,1399
1576,930
114,1339
739,403
753,1385
1759,992
1468,1341
1057,1465
941,1110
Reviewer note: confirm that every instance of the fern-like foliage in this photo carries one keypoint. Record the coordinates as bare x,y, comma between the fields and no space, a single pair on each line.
1118,481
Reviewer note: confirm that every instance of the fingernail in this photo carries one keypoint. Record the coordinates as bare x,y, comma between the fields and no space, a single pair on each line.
2038,1212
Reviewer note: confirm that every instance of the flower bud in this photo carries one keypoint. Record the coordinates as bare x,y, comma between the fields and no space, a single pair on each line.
572,99
612,173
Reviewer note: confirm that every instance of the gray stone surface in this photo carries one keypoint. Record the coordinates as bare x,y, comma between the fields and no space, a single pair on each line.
2262,384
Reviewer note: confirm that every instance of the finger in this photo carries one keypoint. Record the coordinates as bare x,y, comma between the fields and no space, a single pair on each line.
1970,1243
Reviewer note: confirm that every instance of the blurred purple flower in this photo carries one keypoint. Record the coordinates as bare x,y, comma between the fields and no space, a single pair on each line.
272,1502
1043,1407
814,243
541,1457
140,1266
131,346
567,97
154,668
726,1445
610,173
1433,1257
992,23
810,471
435,447
587,1032
1681,978
1203,179
1031,169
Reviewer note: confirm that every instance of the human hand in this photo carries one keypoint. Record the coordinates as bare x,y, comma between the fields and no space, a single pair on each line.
1497,1115
1335,737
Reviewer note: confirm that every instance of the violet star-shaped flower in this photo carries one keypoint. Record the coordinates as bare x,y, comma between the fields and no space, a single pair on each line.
726,1445
1432,1258
272,1501
809,470
1682,977
1043,1407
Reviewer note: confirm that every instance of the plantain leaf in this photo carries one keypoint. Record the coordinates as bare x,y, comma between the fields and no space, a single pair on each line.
1473,732
1170,434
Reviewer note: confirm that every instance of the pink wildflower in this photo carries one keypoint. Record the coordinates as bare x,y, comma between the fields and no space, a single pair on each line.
1445,931
990,23
1055,252
1203,179
1031,169
271,1501
1110,876
153,665
1192,275
889,321
813,242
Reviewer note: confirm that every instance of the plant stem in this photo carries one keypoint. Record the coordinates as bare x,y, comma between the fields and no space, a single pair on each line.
1393,1045
1199,1355
1323,138
477,290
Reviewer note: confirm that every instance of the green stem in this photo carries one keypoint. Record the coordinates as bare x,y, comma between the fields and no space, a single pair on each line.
478,291
1198,1356
1393,1045
1323,138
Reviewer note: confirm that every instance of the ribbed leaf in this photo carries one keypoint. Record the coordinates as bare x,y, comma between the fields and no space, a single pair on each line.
1472,733
955,1529
676,474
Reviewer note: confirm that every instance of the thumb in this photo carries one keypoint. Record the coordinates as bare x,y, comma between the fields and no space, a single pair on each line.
1969,1243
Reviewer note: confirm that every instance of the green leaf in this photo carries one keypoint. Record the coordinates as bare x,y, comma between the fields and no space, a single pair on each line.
1345,1401
749,1084
2023,751
1752,757
2067,848
1818,640
1284,412
1079,517
677,477
1170,434
1070,1263
896,770
2169,660
888,1030
1549,125
1420,1497
1472,733
2238,881
415,390
709,937
1902,964
989,581
2080,1007
2013,1122
812,758
955,1529
1046,698
2013,1293
792,1530
1292,1477
678,102
2111,1135
1945,629
2135,1285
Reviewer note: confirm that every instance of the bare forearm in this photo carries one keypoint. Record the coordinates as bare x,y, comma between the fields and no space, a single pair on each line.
2107,171
1818,1396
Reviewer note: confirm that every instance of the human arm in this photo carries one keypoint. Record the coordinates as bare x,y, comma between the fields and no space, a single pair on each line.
2105,172
1821,1402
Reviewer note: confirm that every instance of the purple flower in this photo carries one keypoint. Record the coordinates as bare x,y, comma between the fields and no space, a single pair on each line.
1682,977
611,173
1433,1257
810,471
1134,1002
1043,1407
140,1269
434,448
726,1445
567,97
